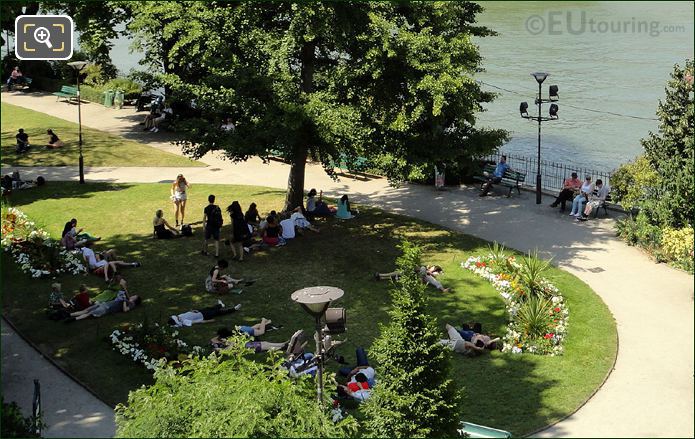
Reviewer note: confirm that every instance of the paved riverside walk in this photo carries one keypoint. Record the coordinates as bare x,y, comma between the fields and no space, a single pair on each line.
651,390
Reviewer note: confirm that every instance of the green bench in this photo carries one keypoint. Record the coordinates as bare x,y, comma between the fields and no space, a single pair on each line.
66,92
510,179
475,430
342,164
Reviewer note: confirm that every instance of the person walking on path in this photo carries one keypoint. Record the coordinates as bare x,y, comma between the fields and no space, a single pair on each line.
212,223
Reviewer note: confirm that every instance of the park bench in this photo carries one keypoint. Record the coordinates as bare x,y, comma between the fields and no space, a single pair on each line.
603,204
475,430
66,92
510,179
343,165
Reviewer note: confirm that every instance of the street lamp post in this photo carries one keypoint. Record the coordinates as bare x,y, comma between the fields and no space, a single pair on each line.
315,301
78,66
553,96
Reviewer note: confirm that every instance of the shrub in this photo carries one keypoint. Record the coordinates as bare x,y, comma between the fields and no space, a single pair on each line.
534,318
228,396
14,424
130,88
530,274
677,246
416,396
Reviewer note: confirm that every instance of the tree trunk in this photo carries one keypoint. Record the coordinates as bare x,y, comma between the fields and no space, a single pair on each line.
295,182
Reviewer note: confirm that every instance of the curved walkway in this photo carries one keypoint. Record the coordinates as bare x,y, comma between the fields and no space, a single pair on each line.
651,390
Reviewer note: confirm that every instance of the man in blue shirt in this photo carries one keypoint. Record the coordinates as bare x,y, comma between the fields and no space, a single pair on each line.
496,176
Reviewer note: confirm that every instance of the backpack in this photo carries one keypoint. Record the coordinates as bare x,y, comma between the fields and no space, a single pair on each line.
215,218
186,230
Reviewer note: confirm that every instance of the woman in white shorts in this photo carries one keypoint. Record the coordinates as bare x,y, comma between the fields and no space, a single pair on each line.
178,196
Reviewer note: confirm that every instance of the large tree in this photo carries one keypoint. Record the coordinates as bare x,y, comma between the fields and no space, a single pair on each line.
326,80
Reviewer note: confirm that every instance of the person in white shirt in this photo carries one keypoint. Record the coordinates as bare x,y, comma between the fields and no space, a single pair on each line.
586,190
167,112
595,201
204,315
101,265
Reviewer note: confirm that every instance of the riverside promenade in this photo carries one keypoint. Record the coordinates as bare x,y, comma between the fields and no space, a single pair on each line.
651,390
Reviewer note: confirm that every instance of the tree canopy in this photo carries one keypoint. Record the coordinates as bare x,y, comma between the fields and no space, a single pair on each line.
322,80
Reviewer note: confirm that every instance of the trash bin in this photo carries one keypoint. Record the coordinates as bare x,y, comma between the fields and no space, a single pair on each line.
108,98
118,99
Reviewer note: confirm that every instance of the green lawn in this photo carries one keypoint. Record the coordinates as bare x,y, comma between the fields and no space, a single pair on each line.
99,148
516,393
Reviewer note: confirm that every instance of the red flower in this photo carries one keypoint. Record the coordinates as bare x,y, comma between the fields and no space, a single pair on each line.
557,309
548,336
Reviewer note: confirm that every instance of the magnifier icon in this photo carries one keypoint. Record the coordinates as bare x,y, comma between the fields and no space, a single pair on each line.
42,35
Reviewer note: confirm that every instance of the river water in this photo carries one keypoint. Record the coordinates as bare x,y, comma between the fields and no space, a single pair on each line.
605,56
617,61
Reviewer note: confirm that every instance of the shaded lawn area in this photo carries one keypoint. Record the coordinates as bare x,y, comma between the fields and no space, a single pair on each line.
99,148
512,392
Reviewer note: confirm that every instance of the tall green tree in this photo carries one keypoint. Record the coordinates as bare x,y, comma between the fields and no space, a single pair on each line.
416,396
661,183
234,396
322,80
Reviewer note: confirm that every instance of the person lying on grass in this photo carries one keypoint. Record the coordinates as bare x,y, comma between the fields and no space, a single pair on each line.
219,283
203,315
122,303
468,342
427,274
221,342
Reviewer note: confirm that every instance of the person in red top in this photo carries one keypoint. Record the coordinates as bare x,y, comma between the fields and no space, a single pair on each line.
81,300
569,187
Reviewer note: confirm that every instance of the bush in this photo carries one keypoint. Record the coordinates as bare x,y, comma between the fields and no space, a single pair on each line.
677,247
228,396
130,88
14,424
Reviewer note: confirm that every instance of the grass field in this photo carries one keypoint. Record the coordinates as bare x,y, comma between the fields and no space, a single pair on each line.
519,393
99,148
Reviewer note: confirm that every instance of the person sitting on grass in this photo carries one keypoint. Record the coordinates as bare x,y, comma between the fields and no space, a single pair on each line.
468,342
73,237
219,283
56,301
22,141
344,211
162,229
203,315
272,233
300,221
81,300
427,275
221,341
103,264
316,207
122,303
251,216
53,140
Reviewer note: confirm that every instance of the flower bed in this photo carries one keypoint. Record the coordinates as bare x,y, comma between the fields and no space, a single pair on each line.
33,249
538,315
152,345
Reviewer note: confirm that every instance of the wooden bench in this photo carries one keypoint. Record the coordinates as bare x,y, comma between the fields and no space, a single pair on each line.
511,179
66,92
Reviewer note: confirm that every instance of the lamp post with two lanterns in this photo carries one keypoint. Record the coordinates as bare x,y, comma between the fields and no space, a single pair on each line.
523,109
315,301
78,66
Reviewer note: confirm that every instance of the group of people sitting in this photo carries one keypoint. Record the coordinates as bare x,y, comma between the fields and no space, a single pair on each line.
115,298
23,144
103,263
316,207
13,181
249,230
585,196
